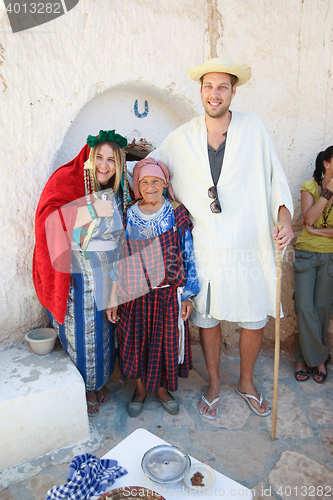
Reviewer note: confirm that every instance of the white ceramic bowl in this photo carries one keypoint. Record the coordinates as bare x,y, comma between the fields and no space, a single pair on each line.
42,340
206,471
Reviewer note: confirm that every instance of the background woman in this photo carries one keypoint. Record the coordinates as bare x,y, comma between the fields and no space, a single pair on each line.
313,271
78,226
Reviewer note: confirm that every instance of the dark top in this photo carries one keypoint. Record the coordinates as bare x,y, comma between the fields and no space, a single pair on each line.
216,159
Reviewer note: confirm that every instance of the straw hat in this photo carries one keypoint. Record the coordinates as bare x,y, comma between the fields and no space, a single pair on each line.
219,65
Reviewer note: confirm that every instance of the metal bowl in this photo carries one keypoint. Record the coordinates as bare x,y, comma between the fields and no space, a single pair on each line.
165,464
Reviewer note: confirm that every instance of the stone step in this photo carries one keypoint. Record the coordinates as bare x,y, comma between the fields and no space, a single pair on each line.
42,404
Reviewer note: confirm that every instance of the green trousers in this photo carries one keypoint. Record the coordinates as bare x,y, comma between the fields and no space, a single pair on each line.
313,279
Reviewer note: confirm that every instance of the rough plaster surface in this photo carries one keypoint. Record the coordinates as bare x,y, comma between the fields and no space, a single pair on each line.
42,405
50,73
23,471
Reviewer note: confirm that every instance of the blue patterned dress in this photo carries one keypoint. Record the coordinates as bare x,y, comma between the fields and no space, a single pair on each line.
86,334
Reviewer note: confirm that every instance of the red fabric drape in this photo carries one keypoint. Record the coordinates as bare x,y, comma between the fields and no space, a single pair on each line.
53,230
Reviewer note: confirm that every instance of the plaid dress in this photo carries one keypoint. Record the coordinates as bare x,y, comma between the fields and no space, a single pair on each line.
148,326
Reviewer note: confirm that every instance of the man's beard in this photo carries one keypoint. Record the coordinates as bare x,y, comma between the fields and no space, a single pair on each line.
221,112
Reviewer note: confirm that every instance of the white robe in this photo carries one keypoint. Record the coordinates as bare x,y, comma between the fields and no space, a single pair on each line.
234,250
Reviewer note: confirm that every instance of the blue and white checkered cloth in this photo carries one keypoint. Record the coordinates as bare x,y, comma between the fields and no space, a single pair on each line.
88,477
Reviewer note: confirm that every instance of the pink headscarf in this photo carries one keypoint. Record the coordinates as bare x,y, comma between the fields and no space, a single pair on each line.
155,168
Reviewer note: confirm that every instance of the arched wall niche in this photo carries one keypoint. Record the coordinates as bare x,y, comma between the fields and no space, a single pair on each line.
115,109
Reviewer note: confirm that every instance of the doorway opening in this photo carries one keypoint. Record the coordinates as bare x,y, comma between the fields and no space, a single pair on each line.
121,108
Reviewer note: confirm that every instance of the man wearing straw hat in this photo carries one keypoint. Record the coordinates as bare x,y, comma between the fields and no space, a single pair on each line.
226,172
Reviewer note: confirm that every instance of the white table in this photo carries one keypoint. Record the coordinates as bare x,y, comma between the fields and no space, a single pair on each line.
129,454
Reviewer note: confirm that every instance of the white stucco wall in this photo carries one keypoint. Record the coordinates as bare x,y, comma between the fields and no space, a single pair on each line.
42,405
49,73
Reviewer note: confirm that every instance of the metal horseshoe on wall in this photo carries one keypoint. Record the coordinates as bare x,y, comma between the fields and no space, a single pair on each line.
136,111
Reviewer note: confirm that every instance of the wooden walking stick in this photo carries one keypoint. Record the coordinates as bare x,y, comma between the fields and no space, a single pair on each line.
277,339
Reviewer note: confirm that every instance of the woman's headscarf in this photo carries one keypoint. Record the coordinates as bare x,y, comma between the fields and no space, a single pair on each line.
155,168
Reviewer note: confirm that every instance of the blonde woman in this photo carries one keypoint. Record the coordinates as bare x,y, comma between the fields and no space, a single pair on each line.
78,227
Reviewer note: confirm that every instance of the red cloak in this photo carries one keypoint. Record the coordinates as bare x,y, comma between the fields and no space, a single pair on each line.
54,225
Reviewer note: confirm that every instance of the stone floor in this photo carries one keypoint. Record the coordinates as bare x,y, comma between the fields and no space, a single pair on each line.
297,465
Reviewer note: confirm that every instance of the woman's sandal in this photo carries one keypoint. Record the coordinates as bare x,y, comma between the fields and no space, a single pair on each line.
317,373
93,406
101,396
302,373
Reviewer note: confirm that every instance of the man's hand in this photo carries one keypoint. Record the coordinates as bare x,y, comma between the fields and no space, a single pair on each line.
187,308
283,238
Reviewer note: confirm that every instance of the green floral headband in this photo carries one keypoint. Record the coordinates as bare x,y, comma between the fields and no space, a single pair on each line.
106,136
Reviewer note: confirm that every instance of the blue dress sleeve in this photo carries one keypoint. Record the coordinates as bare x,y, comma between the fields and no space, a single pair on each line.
76,235
192,284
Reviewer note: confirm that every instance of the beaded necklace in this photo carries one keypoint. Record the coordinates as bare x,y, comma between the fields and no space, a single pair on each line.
326,213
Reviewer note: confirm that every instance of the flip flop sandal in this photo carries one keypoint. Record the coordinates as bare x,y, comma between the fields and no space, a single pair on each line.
93,405
204,415
302,373
321,374
104,390
248,398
